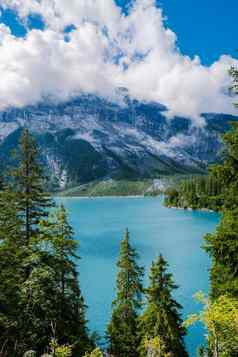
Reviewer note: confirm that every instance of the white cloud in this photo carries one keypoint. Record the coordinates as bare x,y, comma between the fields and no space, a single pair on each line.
107,50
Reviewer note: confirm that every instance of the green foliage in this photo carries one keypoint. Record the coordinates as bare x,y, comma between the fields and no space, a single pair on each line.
161,318
9,220
1,180
227,173
155,347
222,246
39,282
70,320
220,317
60,351
38,277
95,353
220,314
201,192
122,330
27,183
110,188
82,161
234,75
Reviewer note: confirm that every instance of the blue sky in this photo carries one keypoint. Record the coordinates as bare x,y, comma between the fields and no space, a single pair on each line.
92,47
204,27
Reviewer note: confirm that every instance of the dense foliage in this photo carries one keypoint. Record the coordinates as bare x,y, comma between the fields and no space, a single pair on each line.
220,314
199,192
223,244
158,330
161,318
40,298
39,289
123,328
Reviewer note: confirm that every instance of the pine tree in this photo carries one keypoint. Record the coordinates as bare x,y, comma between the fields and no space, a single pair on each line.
38,277
9,220
70,320
222,246
23,203
28,184
1,182
11,257
50,295
122,330
161,317
227,173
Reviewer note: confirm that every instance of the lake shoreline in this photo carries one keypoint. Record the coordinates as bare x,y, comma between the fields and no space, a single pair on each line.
103,197
191,209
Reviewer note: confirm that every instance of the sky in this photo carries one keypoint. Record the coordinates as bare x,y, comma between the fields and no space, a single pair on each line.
173,52
207,28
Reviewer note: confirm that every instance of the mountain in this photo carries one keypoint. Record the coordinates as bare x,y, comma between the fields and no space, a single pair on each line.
91,138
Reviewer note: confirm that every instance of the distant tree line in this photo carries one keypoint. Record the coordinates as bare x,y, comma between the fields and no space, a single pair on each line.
198,192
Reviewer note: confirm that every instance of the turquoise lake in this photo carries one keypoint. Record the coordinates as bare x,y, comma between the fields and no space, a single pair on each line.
99,225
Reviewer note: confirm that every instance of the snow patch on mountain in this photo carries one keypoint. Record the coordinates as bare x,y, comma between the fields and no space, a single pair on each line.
94,138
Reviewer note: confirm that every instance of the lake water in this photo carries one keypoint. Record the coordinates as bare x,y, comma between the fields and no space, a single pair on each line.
100,224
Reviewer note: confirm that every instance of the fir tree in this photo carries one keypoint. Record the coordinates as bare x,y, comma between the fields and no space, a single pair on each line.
50,295
222,246
70,320
227,172
28,184
9,219
23,202
122,330
12,255
161,317
197,192
1,182
38,277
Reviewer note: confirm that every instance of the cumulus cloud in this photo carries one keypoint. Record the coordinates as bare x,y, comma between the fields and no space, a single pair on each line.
106,50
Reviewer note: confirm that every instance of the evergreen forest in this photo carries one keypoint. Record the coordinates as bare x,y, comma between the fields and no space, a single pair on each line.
42,310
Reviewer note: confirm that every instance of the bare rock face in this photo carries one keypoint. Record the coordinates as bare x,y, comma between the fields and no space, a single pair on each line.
90,138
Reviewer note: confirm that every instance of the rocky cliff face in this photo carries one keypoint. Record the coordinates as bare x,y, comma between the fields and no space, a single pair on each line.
90,138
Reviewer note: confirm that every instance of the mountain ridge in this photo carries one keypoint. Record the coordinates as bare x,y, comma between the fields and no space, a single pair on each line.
90,138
